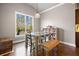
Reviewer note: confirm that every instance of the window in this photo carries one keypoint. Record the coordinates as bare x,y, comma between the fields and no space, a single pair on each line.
28,23
23,23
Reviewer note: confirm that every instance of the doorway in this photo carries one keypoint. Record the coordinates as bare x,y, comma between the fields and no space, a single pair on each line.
77,23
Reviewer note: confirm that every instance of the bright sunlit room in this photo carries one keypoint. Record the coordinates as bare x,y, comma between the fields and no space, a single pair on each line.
39,29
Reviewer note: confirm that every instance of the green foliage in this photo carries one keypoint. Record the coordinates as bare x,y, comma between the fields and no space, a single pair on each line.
30,27
17,29
23,28
22,20
20,28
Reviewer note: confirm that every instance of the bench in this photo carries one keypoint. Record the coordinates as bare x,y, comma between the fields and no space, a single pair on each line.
49,45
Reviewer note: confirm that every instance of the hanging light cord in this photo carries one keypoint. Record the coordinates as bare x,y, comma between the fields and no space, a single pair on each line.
37,15
37,8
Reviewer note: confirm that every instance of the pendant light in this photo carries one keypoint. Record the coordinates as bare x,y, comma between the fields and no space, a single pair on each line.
37,15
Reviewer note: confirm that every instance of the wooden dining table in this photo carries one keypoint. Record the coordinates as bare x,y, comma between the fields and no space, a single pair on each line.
37,39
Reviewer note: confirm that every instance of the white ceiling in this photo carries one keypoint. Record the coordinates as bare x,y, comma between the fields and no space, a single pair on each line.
42,6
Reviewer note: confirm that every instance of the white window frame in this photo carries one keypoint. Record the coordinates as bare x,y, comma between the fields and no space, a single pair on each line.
25,22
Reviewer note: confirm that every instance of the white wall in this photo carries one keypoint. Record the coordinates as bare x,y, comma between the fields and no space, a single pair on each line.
37,25
7,17
0,23
62,17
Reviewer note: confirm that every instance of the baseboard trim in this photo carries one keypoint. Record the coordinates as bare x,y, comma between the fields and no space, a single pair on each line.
6,53
18,41
68,43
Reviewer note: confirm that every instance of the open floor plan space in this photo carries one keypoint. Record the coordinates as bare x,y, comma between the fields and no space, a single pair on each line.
39,29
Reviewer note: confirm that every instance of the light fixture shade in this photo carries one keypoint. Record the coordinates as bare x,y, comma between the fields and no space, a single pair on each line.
37,15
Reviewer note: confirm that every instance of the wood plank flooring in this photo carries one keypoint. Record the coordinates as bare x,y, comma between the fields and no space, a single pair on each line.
63,50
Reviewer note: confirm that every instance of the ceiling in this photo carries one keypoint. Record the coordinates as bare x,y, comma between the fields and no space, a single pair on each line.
42,6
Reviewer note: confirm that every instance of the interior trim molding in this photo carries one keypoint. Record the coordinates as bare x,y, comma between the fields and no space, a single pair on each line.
51,8
68,43
18,41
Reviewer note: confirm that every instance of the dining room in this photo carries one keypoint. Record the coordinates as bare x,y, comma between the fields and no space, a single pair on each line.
37,29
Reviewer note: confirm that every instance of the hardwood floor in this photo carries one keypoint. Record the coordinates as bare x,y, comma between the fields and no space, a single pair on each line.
19,50
63,50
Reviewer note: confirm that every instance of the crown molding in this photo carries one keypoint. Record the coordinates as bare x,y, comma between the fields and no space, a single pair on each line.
51,8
